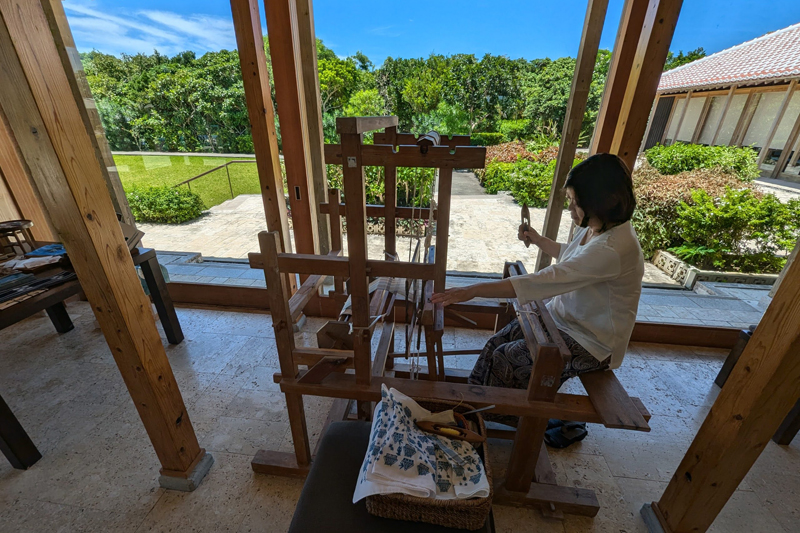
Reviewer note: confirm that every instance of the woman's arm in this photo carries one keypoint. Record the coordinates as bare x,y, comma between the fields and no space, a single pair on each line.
548,246
490,289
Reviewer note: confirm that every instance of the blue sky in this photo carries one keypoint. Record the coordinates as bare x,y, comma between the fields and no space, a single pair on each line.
528,29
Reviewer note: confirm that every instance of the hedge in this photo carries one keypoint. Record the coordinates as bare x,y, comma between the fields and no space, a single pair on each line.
682,157
487,139
171,205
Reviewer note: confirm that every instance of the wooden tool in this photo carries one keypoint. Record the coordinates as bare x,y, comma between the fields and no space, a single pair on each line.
526,223
459,432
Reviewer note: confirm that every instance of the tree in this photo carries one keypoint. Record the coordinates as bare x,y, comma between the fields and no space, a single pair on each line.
674,61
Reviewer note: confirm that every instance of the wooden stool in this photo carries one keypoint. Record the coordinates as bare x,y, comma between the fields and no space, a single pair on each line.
326,503
16,234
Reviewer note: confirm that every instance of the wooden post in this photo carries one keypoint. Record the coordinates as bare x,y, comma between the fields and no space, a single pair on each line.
334,201
777,121
47,125
576,107
390,203
442,227
728,100
8,207
357,251
787,149
91,118
699,126
249,40
284,49
630,29
313,102
760,392
683,114
743,124
23,191
642,84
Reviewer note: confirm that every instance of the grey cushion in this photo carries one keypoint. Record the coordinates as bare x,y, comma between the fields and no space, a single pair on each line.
325,505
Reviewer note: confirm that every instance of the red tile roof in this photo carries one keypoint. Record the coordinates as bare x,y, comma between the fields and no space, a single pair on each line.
774,56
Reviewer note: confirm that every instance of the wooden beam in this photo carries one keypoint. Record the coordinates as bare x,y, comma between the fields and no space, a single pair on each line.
270,245
701,120
79,85
257,92
728,100
352,138
684,335
395,139
380,211
357,125
306,37
343,266
776,122
630,29
573,120
21,187
642,84
750,106
506,401
379,155
281,16
683,114
761,390
46,123
787,149
442,228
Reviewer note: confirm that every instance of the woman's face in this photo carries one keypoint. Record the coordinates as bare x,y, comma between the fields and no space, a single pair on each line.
575,211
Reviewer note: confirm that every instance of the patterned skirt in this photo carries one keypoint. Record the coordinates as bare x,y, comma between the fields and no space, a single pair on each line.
506,362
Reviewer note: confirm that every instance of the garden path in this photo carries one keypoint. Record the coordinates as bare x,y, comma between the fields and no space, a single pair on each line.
483,231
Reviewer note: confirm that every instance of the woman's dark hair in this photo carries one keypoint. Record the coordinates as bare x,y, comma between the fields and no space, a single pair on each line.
603,189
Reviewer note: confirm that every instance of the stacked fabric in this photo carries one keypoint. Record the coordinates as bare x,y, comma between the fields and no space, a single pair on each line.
403,459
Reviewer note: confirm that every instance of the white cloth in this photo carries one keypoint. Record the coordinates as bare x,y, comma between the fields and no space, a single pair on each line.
595,289
403,459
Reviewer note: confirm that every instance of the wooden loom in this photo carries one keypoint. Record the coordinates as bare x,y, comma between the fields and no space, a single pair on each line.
350,371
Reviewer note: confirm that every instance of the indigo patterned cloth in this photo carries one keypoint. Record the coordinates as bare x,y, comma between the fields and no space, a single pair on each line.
401,458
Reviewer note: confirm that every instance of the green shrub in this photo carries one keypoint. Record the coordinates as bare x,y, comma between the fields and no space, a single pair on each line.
513,130
682,157
737,231
529,182
171,205
413,184
658,197
487,139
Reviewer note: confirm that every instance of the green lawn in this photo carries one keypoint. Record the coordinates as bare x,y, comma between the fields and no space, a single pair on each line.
146,171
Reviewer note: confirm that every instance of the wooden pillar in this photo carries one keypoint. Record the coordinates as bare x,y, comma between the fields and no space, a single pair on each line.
313,102
787,149
573,120
699,126
760,392
284,340
249,40
355,197
442,229
630,29
776,122
290,95
642,84
47,125
91,118
728,100
22,190
682,115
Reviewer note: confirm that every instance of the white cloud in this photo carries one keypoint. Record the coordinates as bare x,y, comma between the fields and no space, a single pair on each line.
385,31
145,31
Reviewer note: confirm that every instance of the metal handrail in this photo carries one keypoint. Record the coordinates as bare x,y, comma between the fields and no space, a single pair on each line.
225,166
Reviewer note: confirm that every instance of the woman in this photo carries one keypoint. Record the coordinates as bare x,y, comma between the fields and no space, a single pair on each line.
594,288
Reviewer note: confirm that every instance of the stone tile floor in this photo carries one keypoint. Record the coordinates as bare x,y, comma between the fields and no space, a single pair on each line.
99,472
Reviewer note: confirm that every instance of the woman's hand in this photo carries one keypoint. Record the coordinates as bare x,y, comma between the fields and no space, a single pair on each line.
454,295
531,234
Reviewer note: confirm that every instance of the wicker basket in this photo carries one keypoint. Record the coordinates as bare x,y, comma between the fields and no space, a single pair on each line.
462,514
